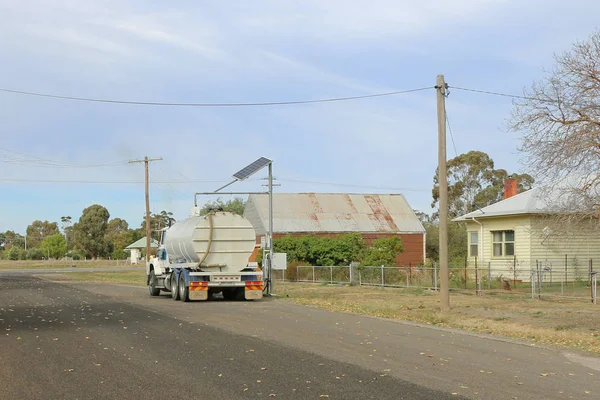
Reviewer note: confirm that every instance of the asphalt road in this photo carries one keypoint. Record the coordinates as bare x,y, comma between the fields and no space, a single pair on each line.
62,342
87,341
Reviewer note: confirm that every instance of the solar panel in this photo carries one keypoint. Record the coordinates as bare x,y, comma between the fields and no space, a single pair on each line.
251,169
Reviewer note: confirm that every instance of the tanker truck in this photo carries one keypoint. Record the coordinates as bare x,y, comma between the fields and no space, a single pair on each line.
202,256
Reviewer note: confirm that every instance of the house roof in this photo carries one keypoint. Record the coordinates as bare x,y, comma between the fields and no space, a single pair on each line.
333,212
141,244
533,201
562,196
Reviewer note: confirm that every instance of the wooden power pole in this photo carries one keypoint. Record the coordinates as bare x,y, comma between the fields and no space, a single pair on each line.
441,87
147,161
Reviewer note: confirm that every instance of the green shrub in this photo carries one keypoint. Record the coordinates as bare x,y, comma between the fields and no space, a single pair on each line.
35,254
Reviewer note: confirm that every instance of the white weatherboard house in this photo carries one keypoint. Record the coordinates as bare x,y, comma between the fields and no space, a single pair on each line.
521,232
135,249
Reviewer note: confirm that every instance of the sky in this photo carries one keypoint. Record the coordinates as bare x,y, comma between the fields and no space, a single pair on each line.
209,51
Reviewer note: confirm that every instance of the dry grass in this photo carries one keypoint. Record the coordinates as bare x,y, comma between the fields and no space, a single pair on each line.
129,277
553,322
52,264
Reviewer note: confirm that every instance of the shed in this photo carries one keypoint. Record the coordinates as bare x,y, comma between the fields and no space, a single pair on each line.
136,248
374,216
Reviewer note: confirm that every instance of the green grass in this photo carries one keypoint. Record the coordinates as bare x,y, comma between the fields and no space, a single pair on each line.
55,264
128,277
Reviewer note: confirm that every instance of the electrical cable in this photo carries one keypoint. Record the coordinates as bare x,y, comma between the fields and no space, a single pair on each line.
514,96
257,104
23,159
450,130
354,185
19,180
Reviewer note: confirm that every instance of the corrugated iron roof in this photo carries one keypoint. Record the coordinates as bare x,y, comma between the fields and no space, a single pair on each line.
564,197
333,212
528,202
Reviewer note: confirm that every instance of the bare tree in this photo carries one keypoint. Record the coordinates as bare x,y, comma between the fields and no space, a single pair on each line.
560,120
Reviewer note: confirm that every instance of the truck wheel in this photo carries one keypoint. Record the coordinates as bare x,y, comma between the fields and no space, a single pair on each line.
174,287
152,289
184,292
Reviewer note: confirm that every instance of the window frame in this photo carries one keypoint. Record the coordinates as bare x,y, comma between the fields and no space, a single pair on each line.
503,243
471,244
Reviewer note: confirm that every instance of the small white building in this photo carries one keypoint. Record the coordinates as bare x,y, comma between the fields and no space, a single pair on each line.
135,249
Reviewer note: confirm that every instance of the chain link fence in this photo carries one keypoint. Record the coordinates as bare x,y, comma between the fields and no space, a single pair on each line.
567,278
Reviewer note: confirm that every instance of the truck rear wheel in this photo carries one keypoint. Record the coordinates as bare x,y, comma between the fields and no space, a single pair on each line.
152,289
174,286
184,292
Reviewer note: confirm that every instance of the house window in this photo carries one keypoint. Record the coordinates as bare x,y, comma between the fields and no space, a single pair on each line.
504,243
473,244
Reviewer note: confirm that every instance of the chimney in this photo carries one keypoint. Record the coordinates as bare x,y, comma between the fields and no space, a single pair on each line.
511,187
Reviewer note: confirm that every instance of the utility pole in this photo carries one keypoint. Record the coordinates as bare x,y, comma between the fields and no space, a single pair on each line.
147,161
441,87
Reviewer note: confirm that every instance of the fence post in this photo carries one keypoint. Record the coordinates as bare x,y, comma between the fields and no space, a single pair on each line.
313,268
359,278
591,269
407,280
331,274
533,278
515,271
489,275
466,265
594,281
354,273
539,276
476,277
434,275
566,272
409,273
382,277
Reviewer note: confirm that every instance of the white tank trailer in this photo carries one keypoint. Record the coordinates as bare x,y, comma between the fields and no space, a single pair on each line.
204,255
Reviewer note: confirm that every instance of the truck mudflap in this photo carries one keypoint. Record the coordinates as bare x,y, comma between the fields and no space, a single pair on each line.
198,290
253,290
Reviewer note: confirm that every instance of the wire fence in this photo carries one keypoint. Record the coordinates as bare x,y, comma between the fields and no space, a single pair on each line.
567,278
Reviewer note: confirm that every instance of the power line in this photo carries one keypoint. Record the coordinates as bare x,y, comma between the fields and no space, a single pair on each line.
19,180
168,182
257,104
514,96
450,130
354,185
13,157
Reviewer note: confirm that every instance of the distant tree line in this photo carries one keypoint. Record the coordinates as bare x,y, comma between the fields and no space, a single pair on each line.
93,235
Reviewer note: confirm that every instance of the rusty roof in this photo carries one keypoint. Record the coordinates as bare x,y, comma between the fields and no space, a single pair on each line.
333,212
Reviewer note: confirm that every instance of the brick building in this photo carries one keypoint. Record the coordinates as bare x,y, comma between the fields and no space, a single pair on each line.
374,216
